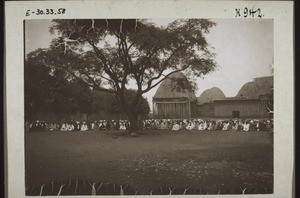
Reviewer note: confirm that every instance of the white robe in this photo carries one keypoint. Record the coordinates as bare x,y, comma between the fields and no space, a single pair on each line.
225,127
122,126
246,127
64,127
83,127
190,126
175,127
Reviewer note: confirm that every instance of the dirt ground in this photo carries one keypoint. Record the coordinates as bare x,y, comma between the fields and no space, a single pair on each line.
212,162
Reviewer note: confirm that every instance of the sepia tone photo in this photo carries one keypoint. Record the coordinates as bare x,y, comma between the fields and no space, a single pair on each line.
148,106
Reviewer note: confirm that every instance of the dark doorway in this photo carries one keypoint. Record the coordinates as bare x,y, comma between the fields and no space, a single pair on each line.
235,114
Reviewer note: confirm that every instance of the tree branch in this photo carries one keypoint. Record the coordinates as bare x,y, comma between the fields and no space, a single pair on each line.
166,76
104,61
163,67
94,85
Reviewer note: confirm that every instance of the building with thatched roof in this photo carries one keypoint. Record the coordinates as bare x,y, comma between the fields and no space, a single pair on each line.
258,88
174,98
210,95
205,107
254,100
241,108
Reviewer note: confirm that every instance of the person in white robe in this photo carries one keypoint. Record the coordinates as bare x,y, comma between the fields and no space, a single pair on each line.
92,126
175,126
225,126
257,126
163,125
180,125
72,127
51,127
246,126
63,127
67,127
122,126
209,126
201,126
84,127
235,125
190,126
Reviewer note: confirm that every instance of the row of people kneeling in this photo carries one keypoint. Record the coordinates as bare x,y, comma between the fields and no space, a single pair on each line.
77,126
156,124
211,125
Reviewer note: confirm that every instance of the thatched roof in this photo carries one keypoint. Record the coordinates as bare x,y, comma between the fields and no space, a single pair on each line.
169,88
210,95
258,87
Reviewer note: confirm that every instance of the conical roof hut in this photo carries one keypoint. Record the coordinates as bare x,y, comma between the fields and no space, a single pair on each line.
174,98
210,95
170,88
258,87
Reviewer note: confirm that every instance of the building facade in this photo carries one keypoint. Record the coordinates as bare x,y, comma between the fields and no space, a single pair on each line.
241,108
174,108
173,99
254,100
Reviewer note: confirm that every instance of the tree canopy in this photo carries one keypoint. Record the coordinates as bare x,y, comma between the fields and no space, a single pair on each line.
51,89
124,49
106,54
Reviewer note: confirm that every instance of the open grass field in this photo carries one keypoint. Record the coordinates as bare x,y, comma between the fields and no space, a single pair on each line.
202,162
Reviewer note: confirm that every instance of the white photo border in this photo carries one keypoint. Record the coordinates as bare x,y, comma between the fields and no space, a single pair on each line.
280,11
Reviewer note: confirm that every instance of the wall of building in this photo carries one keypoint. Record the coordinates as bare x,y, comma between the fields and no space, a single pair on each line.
205,110
245,108
173,109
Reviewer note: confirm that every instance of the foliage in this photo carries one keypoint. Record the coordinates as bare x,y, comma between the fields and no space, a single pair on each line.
49,88
106,54
143,109
135,49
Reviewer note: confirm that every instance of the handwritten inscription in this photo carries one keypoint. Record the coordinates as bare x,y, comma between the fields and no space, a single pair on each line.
248,13
58,11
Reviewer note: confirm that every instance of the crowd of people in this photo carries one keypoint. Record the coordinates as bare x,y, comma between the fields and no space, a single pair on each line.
78,126
157,124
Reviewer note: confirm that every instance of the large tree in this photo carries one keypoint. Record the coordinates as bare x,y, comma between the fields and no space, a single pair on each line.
49,88
107,54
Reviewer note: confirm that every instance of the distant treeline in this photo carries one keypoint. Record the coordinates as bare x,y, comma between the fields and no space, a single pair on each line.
52,95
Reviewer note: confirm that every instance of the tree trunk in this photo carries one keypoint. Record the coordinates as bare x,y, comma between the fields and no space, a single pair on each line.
134,122
131,110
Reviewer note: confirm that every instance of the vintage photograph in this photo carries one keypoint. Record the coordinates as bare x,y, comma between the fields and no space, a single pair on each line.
148,106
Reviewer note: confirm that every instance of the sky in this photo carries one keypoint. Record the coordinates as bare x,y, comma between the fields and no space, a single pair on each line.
244,50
